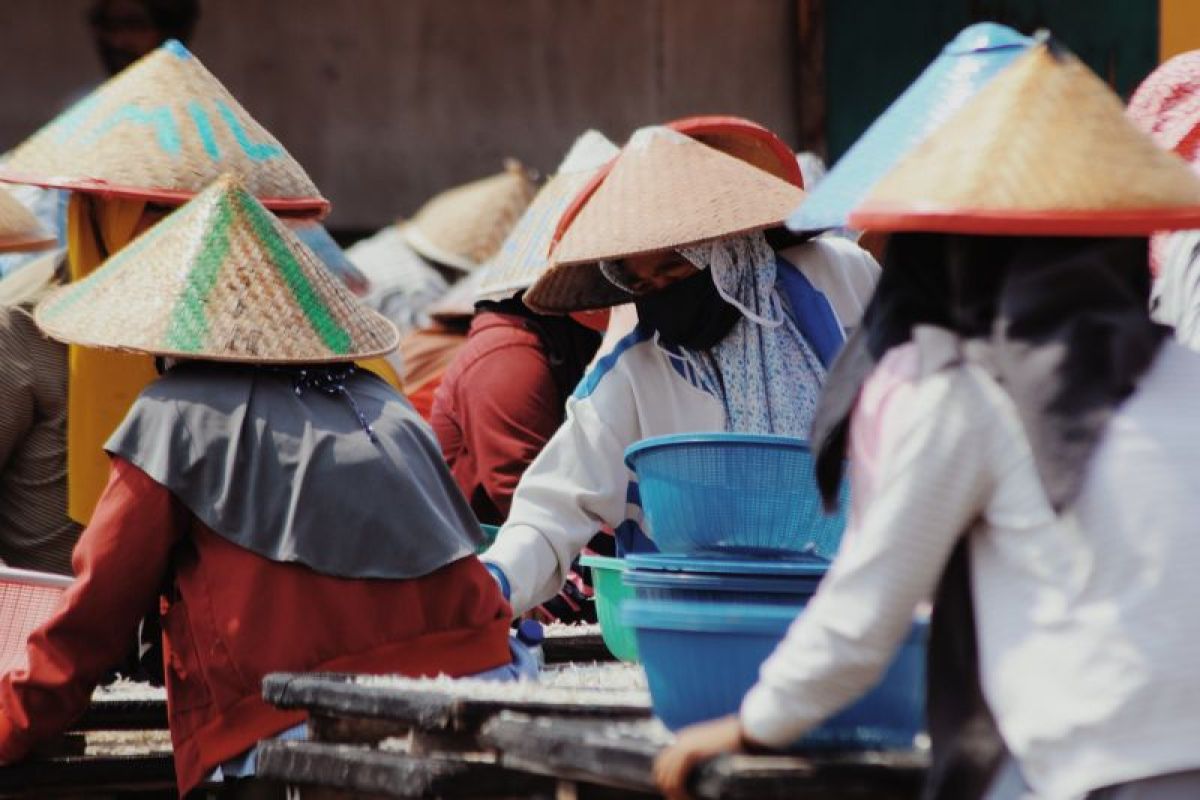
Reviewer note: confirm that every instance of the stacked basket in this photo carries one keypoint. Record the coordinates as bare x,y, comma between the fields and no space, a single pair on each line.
744,545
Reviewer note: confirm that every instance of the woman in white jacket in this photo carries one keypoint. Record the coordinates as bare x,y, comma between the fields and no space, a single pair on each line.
1036,465
732,336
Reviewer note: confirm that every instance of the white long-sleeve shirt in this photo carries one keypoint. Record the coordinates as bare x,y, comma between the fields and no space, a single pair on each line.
1087,626
580,484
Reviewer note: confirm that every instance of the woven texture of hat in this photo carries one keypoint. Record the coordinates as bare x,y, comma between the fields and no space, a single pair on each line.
19,229
1046,137
525,253
463,227
666,190
164,128
219,279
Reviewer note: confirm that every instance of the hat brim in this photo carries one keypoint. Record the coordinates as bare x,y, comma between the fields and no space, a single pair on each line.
427,249
1107,222
317,207
59,333
21,244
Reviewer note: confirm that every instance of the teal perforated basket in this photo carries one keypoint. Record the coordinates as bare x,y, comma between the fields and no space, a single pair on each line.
734,493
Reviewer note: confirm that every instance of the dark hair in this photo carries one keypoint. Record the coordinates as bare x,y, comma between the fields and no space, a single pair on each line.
175,19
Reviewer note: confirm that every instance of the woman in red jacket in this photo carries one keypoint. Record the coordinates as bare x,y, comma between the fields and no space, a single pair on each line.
295,516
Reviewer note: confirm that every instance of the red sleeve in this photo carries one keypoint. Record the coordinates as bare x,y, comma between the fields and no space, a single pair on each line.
509,408
120,563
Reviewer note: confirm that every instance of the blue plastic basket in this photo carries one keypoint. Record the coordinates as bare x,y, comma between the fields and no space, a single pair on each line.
702,658
712,580
734,493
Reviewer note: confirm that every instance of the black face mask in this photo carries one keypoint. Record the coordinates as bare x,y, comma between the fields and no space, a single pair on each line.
689,313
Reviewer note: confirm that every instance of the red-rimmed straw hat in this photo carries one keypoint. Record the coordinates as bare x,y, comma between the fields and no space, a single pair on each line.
1044,149
162,130
220,279
667,190
19,229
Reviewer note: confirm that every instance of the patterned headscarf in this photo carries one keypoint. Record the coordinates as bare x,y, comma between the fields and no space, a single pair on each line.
764,372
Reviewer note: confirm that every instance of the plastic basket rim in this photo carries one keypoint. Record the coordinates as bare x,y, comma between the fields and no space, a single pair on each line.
811,566
801,586
773,440
603,562
692,616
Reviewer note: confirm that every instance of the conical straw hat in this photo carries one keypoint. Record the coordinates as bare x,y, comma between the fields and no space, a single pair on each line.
162,130
19,229
964,66
220,279
525,253
1044,149
464,226
664,191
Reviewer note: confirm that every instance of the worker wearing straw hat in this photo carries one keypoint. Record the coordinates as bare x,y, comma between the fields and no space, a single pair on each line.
732,336
504,394
1167,106
1024,442
144,141
412,264
35,532
263,480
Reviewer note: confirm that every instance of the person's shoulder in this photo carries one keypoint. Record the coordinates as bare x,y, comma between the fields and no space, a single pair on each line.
630,354
833,251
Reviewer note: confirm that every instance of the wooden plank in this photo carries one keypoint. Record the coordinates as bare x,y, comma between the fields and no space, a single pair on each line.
622,754
45,777
424,708
124,715
580,648
391,774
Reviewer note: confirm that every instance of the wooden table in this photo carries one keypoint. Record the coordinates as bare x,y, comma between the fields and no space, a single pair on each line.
375,741
121,745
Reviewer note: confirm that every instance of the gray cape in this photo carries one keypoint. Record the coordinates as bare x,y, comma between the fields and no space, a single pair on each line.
294,477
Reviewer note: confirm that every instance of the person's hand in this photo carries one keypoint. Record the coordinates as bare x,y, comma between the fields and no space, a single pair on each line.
694,745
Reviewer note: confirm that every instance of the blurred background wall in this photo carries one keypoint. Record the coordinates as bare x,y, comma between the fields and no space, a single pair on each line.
387,101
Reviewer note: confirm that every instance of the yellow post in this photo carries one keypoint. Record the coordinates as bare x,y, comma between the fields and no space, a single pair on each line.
1178,27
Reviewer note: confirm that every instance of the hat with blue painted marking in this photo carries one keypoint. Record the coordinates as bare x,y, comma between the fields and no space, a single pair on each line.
966,64
162,130
1044,149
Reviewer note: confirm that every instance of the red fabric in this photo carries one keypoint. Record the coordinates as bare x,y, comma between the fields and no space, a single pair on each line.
497,407
422,399
230,617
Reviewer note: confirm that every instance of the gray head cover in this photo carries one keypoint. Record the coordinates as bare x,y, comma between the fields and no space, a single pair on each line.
293,476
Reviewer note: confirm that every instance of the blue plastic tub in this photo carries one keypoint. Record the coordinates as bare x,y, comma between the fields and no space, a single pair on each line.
722,580
734,493
702,658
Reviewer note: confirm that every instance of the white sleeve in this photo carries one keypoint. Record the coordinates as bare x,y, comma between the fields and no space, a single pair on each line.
841,270
575,487
933,483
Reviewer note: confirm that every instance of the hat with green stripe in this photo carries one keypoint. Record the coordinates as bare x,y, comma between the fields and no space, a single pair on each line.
220,279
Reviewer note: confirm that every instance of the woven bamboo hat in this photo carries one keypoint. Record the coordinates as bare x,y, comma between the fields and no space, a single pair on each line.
19,229
464,226
162,130
1044,149
220,279
965,65
664,191
525,253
